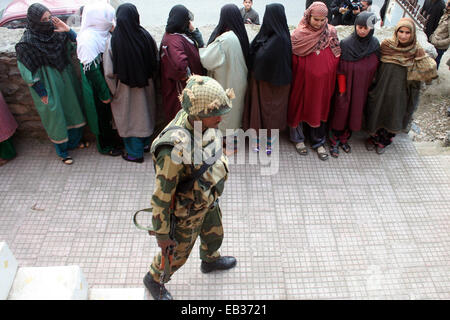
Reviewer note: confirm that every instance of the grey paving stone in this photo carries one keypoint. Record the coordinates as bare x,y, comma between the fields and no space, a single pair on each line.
362,226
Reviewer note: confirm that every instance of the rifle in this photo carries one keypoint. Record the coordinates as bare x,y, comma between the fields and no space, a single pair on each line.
182,187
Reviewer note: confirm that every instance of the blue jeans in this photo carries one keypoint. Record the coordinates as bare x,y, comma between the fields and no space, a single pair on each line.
135,146
317,136
74,135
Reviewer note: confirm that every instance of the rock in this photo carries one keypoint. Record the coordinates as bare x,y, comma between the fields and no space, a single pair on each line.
18,108
9,88
14,72
447,140
415,128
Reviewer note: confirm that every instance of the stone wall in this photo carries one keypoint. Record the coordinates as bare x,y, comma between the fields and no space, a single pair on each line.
17,95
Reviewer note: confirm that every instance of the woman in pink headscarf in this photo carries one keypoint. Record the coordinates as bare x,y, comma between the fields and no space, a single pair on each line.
315,58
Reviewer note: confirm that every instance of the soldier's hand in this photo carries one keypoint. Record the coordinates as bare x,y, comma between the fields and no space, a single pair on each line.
165,244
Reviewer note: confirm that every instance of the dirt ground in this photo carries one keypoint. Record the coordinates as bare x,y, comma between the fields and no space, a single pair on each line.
431,121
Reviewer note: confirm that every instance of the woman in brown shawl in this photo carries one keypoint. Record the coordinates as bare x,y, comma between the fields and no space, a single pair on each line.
395,94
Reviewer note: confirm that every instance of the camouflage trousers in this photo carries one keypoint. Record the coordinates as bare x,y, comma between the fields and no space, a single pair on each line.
206,225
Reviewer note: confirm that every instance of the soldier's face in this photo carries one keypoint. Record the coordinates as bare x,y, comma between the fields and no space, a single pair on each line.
211,122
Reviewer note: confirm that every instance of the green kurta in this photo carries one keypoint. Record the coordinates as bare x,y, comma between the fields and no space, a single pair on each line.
393,100
63,111
7,151
93,87
99,116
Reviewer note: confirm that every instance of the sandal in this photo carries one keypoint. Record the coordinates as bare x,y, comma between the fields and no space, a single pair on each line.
301,148
269,146
129,158
255,146
380,149
84,145
334,151
67,160
229,152
3,162
346,147
369,144
322,153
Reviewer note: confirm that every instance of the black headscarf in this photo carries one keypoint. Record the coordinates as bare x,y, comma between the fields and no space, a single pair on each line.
40,45
134,51
354,47
231,20
178,21
271,50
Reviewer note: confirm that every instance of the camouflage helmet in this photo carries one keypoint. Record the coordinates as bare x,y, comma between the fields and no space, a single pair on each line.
204,97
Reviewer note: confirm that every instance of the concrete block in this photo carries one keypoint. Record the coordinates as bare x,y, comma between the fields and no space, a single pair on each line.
49,283
8,269
117,294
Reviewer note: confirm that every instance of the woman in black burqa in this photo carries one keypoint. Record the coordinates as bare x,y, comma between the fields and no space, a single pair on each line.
231,20
131,65
271,75
135,51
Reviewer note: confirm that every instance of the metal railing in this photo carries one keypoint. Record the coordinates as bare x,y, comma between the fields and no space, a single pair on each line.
413,9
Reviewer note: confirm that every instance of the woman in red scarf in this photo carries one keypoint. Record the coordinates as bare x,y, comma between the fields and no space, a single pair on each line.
315,58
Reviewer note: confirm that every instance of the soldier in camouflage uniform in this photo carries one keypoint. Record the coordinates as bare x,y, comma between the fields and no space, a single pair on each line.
196,210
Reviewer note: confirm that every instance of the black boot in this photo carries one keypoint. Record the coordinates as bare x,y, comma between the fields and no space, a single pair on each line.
223,263
158,291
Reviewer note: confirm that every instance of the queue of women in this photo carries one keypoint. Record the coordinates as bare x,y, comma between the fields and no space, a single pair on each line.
318,87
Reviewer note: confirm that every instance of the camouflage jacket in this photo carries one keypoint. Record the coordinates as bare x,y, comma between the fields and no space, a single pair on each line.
170,173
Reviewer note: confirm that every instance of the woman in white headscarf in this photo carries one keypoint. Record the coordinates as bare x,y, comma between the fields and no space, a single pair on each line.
98,21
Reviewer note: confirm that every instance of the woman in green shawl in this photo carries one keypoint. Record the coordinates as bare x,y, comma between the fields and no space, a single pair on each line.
43,58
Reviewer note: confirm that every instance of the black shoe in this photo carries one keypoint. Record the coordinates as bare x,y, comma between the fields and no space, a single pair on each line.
115,152
131,159
223,263
158,291
346,147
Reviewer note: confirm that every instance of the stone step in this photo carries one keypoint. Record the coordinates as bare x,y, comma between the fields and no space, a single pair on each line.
8,269
49,283
117,294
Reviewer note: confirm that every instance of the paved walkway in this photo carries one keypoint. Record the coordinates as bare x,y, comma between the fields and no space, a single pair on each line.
361,227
